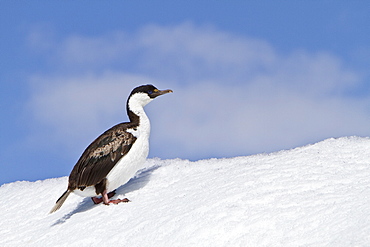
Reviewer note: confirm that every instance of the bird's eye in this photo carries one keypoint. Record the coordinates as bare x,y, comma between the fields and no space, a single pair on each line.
150,92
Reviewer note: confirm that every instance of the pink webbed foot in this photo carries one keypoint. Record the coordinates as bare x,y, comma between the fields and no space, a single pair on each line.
97,200
106,196
118,201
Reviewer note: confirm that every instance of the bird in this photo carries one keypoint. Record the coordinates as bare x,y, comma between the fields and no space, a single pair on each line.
115,156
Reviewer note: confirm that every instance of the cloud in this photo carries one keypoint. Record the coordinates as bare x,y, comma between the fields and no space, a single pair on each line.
78,107
232,95
238,121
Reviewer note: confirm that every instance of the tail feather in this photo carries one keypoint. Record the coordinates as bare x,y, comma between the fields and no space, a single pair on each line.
60,201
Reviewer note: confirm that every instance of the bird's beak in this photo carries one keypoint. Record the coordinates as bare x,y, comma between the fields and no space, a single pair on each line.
161,92
165,91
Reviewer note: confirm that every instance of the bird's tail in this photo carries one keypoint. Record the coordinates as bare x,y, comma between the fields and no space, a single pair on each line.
60,201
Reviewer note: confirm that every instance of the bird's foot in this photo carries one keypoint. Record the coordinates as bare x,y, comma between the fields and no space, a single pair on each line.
117,201
98,200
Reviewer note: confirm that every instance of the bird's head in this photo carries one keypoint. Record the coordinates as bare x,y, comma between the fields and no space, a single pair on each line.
142,95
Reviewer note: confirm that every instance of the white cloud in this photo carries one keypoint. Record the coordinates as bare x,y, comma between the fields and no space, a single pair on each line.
232,95
75,109
237,121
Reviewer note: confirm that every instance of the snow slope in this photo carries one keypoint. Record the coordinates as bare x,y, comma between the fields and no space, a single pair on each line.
317,195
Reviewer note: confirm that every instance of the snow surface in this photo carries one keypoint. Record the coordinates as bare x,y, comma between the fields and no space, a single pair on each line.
317,195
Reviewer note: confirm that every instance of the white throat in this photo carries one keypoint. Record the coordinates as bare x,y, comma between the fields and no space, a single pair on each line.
136,104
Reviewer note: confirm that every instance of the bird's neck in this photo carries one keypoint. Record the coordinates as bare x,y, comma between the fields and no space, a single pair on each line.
138,118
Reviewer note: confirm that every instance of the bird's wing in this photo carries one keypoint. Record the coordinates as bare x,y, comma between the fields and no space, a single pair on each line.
100,157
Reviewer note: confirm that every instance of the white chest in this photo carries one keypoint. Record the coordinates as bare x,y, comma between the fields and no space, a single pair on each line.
134,160
127,167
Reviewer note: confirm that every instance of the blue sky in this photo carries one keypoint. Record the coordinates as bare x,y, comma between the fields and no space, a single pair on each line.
248,76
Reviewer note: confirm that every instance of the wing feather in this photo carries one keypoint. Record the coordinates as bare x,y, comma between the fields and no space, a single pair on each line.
100,157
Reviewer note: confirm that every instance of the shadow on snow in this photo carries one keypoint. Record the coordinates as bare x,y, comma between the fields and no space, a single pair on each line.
136,183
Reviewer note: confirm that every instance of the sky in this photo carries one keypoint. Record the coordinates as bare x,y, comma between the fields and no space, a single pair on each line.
248,77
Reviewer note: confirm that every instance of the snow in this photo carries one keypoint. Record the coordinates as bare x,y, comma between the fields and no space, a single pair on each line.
316,195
